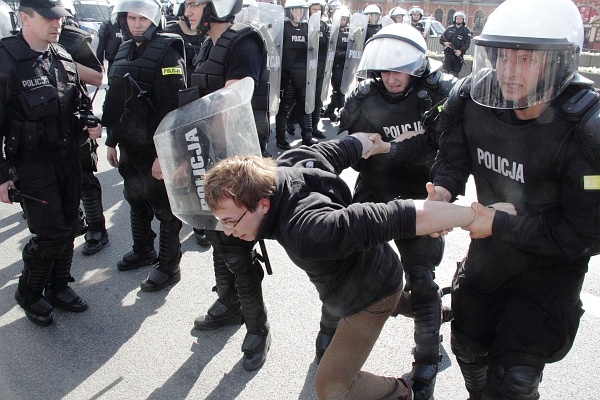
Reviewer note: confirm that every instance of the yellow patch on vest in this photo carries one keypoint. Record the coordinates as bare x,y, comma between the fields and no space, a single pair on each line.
172,71
591,182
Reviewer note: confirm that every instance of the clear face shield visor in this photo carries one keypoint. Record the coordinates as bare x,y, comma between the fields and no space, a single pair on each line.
514,78
391,54
297,14
147,9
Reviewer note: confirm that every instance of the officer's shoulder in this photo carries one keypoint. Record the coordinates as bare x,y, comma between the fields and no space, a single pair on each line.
364,89
61,51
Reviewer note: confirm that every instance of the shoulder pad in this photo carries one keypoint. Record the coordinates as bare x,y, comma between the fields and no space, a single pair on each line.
363,89
577,100
440,82
172,39
61,52
588,135
460,92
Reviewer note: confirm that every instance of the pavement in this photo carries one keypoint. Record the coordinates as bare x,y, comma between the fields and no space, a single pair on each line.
134,345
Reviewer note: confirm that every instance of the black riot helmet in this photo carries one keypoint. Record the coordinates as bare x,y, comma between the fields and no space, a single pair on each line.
150,9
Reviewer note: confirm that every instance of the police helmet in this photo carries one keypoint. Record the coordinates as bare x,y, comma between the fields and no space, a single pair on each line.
520,60
416,10
333,6
397,14
150,9
218,11
291,5
344,16
321,3
460,14
374,13
395,48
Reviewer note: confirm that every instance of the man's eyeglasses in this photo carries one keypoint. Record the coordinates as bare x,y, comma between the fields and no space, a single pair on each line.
191,5
232,225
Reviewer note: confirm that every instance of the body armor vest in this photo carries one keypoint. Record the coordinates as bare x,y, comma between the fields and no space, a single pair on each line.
342,45
42,105
209,75
124,102
295,46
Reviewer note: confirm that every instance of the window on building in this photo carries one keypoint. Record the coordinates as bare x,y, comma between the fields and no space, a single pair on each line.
478,21
439,15
450,16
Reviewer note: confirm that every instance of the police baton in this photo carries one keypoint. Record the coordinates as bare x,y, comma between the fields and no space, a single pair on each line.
265,257
16,196
141,93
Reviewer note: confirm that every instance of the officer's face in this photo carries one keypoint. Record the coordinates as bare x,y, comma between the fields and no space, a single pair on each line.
239,221
344,21
373,18
416,17
395,82
518,72
459,20
137,23
315,8
194,12
297,13
40,30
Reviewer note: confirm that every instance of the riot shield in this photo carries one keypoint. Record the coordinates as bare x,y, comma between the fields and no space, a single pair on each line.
192,138
312,61
356,44
385,21
427,28
271,19
7,20
331,46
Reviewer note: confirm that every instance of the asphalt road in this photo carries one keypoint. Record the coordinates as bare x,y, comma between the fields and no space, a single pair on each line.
136,345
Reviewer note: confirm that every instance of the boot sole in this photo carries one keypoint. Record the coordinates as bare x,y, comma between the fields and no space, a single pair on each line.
148,287
137,265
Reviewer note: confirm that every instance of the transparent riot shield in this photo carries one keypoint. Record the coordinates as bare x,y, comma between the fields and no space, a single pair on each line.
192,138
356,44
331,46
7,20
312,60
271,19
386,20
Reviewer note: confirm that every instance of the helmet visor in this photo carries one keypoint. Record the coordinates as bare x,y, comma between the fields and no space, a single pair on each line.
149,9
387,54
513,78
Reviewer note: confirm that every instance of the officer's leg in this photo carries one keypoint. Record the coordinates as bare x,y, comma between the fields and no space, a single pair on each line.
241,260
304,118
58,291
316,115
167,270
292,118
472,360
420,256
287,100
141,216
226,309
327,329
514,377
91,196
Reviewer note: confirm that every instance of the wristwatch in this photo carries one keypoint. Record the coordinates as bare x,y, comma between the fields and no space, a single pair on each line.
393,151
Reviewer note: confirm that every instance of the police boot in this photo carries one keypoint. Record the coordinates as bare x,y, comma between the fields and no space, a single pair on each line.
29,295
330,110
143,252
96,236
226,309
200,236
58,291
167,271
242,261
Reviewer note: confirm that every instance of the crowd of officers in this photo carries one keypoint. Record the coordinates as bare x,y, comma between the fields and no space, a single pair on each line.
159,60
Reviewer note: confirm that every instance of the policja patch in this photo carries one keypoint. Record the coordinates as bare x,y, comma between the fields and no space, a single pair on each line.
172,71
591,182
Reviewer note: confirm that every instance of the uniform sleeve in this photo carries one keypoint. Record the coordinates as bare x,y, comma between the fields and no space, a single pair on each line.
172,75
452,165
574,229
245,60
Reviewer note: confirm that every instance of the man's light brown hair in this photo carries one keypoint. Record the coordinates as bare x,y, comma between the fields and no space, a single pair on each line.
245,179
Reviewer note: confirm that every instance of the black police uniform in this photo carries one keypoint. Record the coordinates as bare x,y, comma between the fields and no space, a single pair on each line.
516,296
372,29
78,43
316,115
293,82
417,25
192,45
238,53
157,67
337,71
40,125
460,39
110,38
403,173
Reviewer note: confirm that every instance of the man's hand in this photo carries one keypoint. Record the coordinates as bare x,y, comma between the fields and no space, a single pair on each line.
437,193
4,191
378,145
112,157
94,132
447,44
458,53
156,170
365,140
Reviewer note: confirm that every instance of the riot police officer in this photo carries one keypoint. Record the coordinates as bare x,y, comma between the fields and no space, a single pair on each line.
524,124
40,120
231,52
110,38
315,6
78,43
293,73
146,76
416,15
456,40
397,14
337,97
399,87
373,11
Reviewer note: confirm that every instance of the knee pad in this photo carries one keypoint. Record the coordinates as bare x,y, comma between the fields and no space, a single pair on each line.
419,279
519,382
467,350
